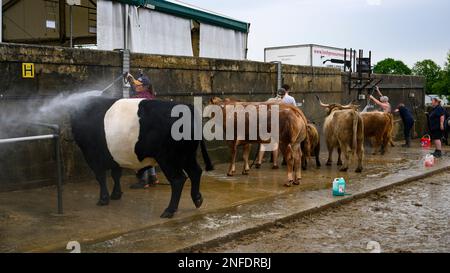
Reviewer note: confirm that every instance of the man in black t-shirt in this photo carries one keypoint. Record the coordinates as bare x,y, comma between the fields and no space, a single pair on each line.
436,121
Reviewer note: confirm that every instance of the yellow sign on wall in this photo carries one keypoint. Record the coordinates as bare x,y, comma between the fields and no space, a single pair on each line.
28,70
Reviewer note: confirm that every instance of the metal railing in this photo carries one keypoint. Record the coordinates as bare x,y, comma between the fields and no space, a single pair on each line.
56,136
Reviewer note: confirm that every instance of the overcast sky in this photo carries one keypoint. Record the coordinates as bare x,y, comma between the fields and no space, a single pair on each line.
409,30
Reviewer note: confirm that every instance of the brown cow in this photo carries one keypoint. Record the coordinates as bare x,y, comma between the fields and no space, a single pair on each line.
311,147
344,129
292,132
378,127
262,148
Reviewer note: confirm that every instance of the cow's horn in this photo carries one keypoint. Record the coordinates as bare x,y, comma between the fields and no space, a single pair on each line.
321,103
350,106
347,105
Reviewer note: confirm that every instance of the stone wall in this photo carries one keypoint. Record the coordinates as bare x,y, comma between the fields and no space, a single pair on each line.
400,89
68,71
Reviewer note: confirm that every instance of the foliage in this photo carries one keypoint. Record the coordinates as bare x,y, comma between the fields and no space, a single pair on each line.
430,70
391,66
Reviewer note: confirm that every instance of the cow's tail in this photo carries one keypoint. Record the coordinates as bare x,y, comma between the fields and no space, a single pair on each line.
355,131
208,165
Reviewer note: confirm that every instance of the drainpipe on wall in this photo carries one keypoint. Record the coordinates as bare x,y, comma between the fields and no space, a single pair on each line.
279,74
1,21
126,54
246,43
125,69
71,25
312,67
62,21
246,46
125,22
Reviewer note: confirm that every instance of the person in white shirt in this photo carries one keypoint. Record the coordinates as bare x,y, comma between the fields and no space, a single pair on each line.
284,94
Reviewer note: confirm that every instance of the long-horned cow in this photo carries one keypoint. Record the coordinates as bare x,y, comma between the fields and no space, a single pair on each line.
291,131
378,127
344,129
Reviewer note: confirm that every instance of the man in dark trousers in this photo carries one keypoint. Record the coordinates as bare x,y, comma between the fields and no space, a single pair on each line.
408,123
436,120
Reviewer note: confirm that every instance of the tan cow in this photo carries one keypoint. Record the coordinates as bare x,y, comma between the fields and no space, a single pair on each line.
311,147
378,127
292,132
263,148
344,129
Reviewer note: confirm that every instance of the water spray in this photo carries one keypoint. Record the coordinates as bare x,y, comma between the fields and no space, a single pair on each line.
369,102
111,85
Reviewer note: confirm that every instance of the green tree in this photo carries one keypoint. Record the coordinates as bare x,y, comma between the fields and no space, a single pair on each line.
447,64
430,70
440,87
391,66
442,84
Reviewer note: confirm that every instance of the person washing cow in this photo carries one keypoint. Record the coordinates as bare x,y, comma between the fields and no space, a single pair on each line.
283,93
383,102
378,124
142,88
408,123
284,97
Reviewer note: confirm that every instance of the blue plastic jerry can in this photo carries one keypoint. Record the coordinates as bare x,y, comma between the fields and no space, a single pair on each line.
339,187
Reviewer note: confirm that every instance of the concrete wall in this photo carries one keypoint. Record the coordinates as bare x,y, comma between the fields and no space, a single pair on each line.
57,70
174,78
178,78
400,89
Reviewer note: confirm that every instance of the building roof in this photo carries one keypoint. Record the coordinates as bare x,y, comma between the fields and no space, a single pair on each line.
191,13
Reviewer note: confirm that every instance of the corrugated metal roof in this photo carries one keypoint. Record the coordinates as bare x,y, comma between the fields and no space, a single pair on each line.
191,13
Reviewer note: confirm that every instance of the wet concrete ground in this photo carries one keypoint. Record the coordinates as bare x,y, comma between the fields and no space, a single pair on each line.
411,218
232,205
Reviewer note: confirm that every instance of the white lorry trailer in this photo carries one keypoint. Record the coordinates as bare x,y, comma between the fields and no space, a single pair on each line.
310,55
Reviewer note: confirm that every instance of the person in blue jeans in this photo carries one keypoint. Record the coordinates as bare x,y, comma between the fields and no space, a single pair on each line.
408,123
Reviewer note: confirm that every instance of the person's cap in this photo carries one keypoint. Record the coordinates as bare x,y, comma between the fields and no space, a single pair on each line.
384,99
281,91
437,99
144,80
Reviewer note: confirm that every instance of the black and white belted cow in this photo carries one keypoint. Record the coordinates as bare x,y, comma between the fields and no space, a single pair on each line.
134,134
